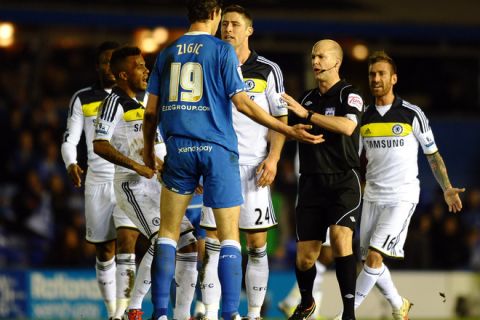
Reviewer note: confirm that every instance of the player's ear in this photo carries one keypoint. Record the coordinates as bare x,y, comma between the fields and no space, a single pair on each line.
394,78
122,75
249,31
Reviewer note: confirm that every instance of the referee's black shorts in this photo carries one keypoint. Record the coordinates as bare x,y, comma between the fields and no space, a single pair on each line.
324,200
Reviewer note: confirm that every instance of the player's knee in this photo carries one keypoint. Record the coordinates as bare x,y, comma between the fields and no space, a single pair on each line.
187,243
256,242
126,240
105,251
192,247
306,260
374,259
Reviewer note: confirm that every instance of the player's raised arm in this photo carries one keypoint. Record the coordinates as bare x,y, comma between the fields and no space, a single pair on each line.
253,111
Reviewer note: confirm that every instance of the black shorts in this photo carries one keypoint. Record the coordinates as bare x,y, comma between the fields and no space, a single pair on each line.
325,200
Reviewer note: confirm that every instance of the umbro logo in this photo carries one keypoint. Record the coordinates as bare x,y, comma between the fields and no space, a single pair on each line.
349,296
308,103
352,219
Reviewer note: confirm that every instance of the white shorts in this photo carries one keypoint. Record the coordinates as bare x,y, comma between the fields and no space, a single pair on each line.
327,239
384,227
99,207
121,220
256,212
140,200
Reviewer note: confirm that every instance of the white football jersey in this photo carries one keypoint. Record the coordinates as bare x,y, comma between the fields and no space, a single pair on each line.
264,81
390,139
82,115
120,121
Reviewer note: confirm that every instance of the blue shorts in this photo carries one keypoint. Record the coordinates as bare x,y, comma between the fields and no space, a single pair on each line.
187,160
194,214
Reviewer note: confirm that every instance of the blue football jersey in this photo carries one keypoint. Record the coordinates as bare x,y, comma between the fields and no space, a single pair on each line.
195,77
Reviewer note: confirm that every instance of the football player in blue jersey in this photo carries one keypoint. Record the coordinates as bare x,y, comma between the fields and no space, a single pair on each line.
190,90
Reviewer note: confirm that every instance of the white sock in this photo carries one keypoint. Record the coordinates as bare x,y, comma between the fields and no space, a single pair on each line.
293,298
365,281
317,287
125,277
209,282
105,272
143,280
256,280
199,308
186,279
388,289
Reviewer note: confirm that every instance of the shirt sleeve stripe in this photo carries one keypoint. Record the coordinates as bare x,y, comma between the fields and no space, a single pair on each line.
277,73
423,121
110,108
74,97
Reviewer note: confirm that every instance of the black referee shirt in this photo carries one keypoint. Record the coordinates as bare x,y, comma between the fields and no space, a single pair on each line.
339,152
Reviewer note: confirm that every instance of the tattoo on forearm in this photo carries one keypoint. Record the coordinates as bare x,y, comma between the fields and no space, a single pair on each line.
439,170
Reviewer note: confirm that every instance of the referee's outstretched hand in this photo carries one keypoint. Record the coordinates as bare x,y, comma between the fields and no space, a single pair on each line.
294,106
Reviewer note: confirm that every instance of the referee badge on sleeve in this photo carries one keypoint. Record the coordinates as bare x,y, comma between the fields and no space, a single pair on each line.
354,100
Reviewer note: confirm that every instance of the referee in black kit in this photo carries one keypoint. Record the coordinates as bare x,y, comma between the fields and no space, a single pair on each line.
329,188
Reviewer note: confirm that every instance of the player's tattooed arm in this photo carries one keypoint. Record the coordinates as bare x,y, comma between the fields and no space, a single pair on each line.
450,193
439,170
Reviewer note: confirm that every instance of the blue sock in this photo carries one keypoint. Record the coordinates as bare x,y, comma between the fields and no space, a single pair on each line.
163,269
230,275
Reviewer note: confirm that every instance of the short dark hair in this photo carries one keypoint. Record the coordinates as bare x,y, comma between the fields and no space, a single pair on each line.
119,56
199,10
240,10
382,56
105,46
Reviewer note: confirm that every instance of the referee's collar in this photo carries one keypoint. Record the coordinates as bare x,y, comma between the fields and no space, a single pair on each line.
334,90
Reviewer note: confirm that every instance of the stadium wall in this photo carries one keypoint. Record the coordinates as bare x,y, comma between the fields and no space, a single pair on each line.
73,294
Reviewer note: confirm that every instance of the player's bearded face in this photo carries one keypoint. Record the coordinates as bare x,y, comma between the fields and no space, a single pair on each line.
139,74
381,79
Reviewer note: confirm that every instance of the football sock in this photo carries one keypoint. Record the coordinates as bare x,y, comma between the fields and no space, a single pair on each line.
388,289
186,279
256,279
305,281
143,280
163,269
105,273
208,278
125,278
317,286
346,275
366,279
230,275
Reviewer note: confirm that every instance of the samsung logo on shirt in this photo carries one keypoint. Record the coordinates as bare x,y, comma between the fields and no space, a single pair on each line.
377,144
